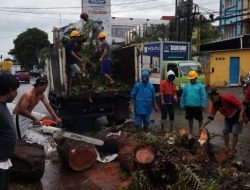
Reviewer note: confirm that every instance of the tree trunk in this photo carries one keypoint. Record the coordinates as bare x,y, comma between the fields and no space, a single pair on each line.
77,155
145,155
28,162
126,155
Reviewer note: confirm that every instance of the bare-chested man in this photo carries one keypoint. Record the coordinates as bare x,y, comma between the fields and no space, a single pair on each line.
23,110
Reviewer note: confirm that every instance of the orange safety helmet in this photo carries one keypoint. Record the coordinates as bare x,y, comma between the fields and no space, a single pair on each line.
192,75
74,33
102,35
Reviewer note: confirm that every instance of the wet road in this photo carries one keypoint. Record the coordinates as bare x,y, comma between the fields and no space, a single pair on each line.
57,177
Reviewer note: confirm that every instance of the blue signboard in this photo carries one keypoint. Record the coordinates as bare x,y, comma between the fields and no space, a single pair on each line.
152,50
175,51
97,1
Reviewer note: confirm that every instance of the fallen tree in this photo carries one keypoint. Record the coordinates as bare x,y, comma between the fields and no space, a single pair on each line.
176,162
78,155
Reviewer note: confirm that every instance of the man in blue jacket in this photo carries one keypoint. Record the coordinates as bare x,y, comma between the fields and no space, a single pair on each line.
143,98
193,99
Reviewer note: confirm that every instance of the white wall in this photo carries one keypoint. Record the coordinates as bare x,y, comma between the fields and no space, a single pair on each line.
99,10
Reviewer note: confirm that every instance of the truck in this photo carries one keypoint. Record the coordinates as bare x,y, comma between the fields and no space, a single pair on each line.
159,58
95,100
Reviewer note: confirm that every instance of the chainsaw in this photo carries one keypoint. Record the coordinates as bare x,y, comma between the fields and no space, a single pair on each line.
59,132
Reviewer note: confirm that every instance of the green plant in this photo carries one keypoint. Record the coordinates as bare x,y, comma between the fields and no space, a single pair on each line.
187,178
140,181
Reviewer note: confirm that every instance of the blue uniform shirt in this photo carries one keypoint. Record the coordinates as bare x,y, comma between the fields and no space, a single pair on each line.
143,95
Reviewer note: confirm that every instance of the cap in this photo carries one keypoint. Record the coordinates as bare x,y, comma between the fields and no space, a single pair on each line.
170,72
40,80
213,91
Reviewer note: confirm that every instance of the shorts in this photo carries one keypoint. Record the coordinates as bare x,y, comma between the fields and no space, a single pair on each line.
167,109
26,123
139,119
229,127
106,66
73,70
194,113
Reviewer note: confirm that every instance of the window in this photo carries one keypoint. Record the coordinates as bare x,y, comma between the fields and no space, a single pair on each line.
229,31
186,67
119,31
230,3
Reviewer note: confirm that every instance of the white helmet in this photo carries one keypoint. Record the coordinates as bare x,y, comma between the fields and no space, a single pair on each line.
170,72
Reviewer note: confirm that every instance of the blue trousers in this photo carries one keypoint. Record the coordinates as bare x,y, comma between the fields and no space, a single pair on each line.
142,119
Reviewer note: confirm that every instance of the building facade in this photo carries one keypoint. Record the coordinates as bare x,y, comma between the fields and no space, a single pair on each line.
246,17
229,61
122,27
230,18
234,18
99,10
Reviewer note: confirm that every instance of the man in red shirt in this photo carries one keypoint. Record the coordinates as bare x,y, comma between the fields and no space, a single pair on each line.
245,111
168,97
230,107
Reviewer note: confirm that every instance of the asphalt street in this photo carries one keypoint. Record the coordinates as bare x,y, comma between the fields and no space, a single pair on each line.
55,176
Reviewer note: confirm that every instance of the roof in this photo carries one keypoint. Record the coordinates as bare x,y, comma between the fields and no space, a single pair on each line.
241,42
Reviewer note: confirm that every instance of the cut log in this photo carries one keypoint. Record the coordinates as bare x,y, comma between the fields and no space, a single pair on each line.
112,141
126,158
145,155
222,155
182,131
131,143
78,155
28,162
204,137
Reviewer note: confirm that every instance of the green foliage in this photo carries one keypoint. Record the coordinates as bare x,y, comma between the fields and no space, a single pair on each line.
187,178
152,33
44,54
28,46
210,184
139,181
209,33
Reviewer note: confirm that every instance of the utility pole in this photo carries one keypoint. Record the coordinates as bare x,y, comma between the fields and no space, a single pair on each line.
185,18
82,5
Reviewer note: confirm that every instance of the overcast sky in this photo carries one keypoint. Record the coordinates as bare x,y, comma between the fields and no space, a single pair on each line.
13,23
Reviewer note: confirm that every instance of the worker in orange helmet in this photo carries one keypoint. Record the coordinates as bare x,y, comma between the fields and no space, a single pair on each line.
105,58
193,99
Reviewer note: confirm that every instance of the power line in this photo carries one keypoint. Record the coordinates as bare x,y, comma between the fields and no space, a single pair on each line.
24,14
76,7
31,12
